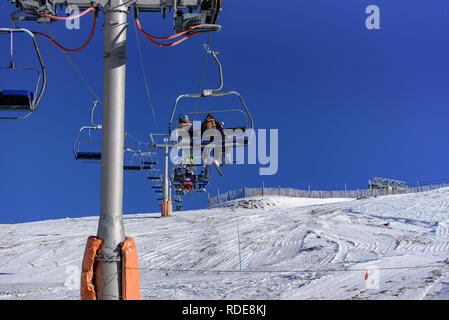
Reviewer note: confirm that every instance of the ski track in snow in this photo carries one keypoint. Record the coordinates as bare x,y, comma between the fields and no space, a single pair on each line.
335,239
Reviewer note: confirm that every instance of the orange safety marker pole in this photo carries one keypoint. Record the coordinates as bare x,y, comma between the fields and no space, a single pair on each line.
162,208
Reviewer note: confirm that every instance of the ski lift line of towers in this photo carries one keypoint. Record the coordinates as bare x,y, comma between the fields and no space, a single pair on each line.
110,227
246,192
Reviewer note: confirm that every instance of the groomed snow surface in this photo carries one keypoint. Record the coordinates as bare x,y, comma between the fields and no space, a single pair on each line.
299,248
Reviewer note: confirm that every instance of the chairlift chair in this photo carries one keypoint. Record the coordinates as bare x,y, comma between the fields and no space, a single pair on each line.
93,152
240,138
22,100
137,161
190,178
88,155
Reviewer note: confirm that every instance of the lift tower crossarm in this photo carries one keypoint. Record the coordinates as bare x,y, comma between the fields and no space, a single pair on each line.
144,5
207,15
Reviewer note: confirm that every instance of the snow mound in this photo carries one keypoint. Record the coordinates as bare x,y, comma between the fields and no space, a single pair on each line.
275,201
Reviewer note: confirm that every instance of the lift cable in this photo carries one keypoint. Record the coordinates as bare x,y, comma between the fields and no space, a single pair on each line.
74,66
203,71
83,79
142,66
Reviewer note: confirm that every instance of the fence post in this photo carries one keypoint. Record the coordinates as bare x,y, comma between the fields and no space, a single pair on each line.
417,186
262,188
218,195
295,193
345,191
308,194
321,194
244,192
279,190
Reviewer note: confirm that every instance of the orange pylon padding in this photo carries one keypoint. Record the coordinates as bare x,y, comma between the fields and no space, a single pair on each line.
87,289
168,208
130,271
162,208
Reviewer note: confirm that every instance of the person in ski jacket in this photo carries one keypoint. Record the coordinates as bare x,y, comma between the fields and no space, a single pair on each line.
187,153
184,123
210,123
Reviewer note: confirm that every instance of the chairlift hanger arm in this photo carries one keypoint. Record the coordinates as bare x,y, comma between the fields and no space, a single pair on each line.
220,69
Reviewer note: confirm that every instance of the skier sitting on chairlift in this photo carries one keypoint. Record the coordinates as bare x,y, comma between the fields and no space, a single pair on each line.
185,124
210,123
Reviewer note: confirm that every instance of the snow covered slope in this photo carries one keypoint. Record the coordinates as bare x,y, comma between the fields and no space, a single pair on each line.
290,249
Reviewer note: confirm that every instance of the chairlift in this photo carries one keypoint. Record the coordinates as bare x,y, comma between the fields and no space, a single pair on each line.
89,149
156,175
190,178
138,162
92,140
231,136
22,100
154,178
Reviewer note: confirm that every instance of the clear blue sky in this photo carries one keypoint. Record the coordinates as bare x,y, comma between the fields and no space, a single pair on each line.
349,103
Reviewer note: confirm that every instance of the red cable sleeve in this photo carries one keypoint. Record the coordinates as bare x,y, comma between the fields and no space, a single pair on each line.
84,45
166,45
70,17
164,38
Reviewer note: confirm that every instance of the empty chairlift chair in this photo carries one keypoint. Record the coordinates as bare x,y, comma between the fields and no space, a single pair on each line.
139,161
20,101
89,149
